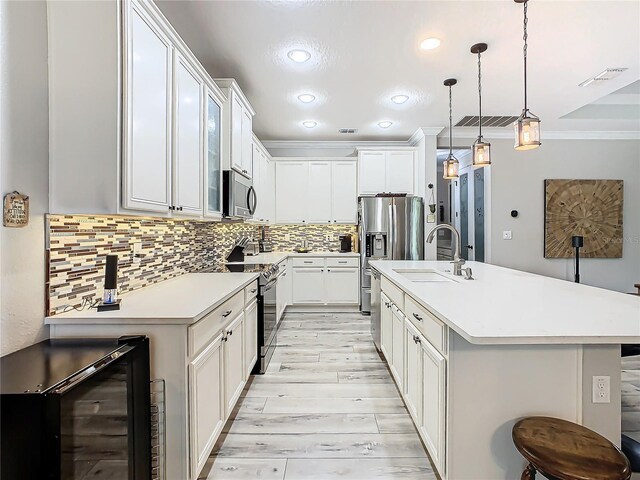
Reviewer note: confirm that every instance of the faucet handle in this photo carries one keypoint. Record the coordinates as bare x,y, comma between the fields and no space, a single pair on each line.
469,273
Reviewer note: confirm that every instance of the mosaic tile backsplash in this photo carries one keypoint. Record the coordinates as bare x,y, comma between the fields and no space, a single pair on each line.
78,245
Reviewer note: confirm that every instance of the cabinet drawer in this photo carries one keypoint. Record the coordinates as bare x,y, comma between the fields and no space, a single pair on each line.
343,262
308,262
201,333
394,293
250,292
432,328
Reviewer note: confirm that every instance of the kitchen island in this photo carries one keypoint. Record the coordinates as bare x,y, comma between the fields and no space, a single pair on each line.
471,357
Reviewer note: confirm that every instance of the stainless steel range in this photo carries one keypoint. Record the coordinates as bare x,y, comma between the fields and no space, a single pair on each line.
270,274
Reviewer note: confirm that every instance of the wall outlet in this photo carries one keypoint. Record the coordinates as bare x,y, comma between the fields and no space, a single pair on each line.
506,235
601,389
328,238
287,237
137,252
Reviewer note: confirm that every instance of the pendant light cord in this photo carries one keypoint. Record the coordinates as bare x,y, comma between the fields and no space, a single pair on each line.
480,95
450,124
524,52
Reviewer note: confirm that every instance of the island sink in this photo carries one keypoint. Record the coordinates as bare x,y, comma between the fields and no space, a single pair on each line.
422,275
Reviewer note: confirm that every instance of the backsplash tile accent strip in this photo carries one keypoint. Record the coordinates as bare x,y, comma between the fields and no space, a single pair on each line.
78,245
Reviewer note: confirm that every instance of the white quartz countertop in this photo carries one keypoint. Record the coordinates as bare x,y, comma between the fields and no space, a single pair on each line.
181,300
276,257
504,306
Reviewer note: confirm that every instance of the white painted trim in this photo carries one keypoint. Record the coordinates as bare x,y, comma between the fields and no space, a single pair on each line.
332,144
422,132
314,159
500,133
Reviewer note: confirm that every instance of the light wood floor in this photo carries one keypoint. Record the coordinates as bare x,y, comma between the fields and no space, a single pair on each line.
326,409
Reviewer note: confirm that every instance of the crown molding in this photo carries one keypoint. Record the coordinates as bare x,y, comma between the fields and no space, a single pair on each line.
503,133
332,144
423,132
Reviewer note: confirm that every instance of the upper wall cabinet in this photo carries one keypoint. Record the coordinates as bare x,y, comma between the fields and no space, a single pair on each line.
264,183
316,191
134,119
237,128
386,171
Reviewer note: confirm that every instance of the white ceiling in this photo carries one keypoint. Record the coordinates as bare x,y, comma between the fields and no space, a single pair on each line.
364,52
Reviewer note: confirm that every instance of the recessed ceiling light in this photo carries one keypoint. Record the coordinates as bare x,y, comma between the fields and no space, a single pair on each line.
430,43
399,99
309,123
299,56
306,98
384,124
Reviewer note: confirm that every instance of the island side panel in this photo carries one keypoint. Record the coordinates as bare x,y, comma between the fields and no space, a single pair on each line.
168,353
604,418
490,388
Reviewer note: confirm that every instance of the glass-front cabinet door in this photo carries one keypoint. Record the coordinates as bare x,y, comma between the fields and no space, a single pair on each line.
214,174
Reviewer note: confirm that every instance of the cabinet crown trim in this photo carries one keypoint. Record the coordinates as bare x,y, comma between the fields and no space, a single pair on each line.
230,83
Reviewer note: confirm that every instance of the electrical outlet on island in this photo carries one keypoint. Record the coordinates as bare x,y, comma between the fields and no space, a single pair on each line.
601,389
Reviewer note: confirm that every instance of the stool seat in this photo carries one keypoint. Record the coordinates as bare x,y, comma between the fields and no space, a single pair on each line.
563,450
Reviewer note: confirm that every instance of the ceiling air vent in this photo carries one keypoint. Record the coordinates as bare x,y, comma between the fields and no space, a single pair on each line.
607,74
348,130
487,121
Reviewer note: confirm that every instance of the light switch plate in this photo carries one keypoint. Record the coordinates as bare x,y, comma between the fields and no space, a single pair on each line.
506,235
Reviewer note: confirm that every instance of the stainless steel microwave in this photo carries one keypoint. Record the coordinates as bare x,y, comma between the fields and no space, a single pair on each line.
239,196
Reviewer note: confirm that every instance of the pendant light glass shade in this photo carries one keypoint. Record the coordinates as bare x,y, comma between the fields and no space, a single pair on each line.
481,153
527,130
451,165
527,127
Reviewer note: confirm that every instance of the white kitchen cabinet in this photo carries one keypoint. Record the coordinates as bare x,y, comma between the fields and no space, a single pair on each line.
397,353
319,193
234,372
188,133
308,285
433,424
316,191
147,115
250,336
344,194
372,171
213,170
413,372
120,113
292,184
386,171
386,328
263,182
341,285
237,126
206,407
400,172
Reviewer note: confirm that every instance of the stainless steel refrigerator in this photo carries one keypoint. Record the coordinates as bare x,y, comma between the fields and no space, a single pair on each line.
390,228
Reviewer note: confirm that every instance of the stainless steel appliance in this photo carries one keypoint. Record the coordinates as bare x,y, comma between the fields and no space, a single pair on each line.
67,405
239,197
345,243
391,227
268,303
376,310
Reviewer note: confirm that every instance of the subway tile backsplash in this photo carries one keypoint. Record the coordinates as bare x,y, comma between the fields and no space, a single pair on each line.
78,244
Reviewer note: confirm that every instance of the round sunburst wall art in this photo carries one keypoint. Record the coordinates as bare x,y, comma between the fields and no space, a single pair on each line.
591,208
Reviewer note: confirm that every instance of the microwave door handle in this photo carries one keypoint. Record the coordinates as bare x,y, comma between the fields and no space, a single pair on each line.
255,200
251,193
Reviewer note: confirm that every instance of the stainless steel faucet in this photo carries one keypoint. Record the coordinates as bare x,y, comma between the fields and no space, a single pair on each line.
457,260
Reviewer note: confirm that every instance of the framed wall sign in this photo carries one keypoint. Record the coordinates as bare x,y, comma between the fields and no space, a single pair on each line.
16,210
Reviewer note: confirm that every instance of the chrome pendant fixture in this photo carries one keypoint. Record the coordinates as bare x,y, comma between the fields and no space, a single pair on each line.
481,149
527,127
451,164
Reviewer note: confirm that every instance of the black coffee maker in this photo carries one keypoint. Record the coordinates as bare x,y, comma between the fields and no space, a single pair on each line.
345,243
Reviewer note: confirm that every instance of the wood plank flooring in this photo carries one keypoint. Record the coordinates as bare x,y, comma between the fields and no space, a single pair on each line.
326,409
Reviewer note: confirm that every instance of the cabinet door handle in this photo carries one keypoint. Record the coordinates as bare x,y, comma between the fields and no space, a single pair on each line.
328,269
230,332
254,290
416,339
224,339
227,313
417,317
342,261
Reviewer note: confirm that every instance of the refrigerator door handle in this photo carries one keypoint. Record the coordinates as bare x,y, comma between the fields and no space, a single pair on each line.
390,246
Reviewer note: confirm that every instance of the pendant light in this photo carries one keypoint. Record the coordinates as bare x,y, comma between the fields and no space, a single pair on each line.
451,164
481,149
527,127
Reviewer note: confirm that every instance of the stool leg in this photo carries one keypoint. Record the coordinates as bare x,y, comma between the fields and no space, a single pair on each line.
529,473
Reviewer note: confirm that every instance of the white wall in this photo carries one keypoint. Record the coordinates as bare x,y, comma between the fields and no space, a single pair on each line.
518,184
24,147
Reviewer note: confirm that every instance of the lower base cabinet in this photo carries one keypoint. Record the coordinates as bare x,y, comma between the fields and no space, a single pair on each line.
341,285
207,412
397,353
234,373
386,328
251,336
326,281
413,373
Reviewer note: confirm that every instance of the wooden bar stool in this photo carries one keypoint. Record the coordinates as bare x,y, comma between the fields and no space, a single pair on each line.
562,450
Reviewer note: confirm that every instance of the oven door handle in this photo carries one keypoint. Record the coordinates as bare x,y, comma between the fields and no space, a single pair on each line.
91,370
269,285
